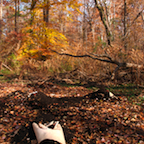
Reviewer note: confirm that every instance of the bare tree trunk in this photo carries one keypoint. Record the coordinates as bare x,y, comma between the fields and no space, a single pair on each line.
93,35
113,19
128,28
61,27
84,27
15,15
142,17
125,28
33,3
105,23
107,14
46,12
1,10
18,13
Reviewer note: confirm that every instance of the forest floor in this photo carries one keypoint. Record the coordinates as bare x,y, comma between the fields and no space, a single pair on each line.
84,120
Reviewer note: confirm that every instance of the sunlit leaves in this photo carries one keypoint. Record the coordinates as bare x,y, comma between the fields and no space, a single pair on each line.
39,40
40,37
25,1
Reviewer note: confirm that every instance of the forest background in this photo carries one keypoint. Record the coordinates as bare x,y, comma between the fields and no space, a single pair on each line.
85,44
86,40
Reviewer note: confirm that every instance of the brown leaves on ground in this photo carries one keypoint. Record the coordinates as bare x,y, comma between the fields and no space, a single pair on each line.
84,120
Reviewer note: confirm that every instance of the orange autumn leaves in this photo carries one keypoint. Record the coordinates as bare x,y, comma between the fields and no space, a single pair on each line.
43,36
38,42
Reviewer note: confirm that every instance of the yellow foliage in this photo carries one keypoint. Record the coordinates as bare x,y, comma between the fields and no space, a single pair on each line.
40,37
70,19
39,40
26,1
77,9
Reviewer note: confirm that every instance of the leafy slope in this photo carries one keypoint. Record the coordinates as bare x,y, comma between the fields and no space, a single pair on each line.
84,120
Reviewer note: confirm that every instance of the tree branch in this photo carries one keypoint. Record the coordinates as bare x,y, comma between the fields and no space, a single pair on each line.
7,67
139,14
103,55
96,58
103,19
108,60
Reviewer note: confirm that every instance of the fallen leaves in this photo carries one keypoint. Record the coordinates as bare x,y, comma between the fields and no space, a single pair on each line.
15,112
87,120
90,120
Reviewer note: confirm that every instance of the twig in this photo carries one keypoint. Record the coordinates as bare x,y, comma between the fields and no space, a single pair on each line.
15,133
7,67
18,45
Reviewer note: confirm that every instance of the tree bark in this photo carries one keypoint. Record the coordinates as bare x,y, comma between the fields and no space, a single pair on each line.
18,14
1,10
33,4
103,19
124,23
84,25
46,12
104,58
113,19
127,31
15,15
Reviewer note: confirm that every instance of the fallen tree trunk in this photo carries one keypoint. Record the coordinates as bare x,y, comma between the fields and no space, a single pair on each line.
105,58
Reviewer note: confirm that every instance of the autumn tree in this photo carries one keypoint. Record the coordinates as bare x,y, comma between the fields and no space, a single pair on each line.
121,58
41,34
102,30
1,13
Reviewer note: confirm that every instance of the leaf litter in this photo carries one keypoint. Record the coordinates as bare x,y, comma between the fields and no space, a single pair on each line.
84,120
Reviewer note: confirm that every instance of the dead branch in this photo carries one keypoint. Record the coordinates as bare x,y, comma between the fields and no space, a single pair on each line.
103,55
105,23
18,45
7,67
108,60
96,58
6,52
129,65
16,132
142,18
113,74
139,14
